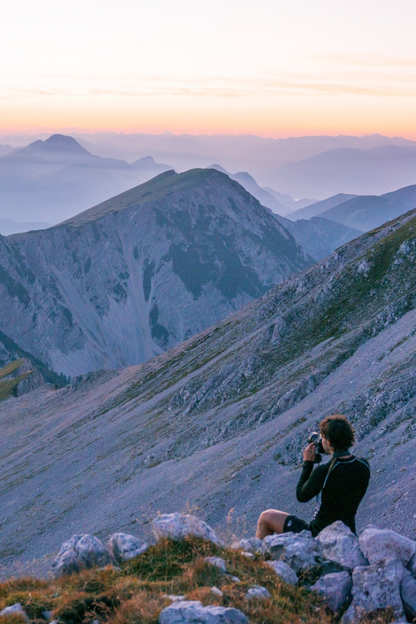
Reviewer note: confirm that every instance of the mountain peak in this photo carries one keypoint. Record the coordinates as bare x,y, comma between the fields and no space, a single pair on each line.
59,143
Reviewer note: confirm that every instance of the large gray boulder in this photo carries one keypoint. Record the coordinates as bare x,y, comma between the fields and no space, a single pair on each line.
338,543
15,609
283,571
408,594
378,544
335,589
299,550
123,547
376,587
192,612
80,552
176,526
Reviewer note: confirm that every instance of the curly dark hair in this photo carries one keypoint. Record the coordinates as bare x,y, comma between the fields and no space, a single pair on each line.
338,431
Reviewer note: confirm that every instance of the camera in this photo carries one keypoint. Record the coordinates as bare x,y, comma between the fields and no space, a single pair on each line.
316,438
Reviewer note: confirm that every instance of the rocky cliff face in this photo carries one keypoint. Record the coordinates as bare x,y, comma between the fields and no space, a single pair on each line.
219,421
141,272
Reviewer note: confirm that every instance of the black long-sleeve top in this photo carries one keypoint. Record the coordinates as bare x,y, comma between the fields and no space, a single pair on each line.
342,484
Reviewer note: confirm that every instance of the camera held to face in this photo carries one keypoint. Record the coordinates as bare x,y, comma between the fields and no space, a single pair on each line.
316,438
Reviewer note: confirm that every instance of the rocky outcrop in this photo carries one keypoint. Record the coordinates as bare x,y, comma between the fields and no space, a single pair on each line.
360,589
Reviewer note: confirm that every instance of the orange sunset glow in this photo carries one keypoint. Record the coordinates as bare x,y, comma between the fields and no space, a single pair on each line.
265,68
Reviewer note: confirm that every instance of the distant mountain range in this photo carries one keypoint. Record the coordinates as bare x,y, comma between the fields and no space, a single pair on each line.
277,202
54,179
364,212
275,163
141,272
315,209
352,171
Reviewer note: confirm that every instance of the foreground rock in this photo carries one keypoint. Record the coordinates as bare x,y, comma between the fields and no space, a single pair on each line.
252,544
335,589
80,552
338,543
217,562
376,587
299,551
283,571
257,592
377,544
122,547
176,526
408,594
15,609
192,612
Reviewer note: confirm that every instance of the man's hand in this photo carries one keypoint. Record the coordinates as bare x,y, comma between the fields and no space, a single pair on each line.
309,452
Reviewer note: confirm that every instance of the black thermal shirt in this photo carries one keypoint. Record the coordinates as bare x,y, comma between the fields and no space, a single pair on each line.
342,483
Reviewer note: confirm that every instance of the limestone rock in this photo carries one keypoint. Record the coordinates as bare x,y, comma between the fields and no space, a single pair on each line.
338,543
252,544
15,609
257,592
176,526
300,551
376,587
248,555
192,612
80,552
283,571
408,594
123,547
335,588
218,562
216,591
377,544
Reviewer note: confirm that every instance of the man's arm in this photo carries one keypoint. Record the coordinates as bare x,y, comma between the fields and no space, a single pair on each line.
311,481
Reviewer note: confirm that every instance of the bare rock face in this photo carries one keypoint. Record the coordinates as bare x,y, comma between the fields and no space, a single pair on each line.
176,526
377,544
80,552
192,612
283,571
376,587
339,544
123,547
299,551
335,589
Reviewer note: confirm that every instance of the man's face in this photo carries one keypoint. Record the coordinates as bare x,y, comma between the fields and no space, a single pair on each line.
327,447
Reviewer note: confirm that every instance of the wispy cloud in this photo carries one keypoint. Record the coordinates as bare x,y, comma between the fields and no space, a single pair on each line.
375,83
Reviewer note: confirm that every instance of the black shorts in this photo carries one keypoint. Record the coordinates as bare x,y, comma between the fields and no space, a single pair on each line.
293,524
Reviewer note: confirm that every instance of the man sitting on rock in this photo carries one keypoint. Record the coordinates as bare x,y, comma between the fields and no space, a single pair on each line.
341,484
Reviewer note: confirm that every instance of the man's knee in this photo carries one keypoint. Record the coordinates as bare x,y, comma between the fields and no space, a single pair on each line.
266,516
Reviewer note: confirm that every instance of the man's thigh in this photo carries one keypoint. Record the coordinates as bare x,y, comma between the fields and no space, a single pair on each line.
275,519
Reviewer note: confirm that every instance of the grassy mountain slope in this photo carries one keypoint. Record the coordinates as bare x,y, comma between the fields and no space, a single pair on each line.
219,421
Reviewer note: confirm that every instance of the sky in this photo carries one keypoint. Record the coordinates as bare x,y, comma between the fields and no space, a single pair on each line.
263,67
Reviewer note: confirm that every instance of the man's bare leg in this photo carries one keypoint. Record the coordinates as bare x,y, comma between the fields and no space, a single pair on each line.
270,521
